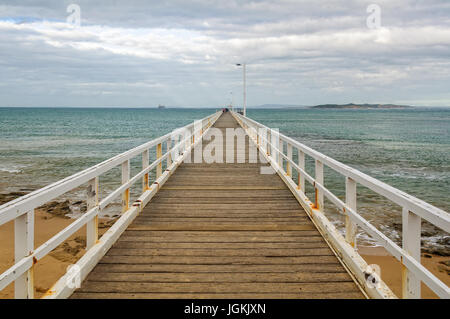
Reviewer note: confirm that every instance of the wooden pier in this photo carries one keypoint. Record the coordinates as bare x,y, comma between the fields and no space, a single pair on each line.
221,231
243,228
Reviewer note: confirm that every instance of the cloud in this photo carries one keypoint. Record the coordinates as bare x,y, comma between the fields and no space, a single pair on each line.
137,53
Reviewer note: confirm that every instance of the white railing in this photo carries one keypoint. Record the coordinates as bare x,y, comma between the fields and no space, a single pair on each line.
178,145
271,144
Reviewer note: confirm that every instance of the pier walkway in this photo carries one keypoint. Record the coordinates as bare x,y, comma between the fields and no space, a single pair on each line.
221,231
223,217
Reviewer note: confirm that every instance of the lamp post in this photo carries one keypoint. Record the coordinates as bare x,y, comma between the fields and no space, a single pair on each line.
231,102
245,93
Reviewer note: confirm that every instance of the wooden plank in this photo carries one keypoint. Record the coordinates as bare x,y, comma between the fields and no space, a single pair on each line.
233,193
235,295
192,234
333,267
246,245
223,220
253,260
254,216
221,252
234,277
225,239
220,227
195,287
220,188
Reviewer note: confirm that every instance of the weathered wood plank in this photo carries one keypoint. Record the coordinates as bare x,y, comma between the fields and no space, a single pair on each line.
235,277
221,252
221,227
241,260
192,234
334,267
225,239
247,245
195,287
233,295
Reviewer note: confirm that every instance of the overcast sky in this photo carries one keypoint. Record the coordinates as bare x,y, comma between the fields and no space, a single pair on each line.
183,53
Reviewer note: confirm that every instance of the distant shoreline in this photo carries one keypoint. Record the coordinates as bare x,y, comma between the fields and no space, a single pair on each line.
360,106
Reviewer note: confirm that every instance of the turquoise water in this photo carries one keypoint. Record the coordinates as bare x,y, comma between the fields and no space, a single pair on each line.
408,149
42,145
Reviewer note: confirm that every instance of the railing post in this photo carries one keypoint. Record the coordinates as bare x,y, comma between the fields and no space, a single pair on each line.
350,200
269,140
126,193
411,225
169,157
301,164
188,140
91,202
158,156
23,247
319,179
280,157
145,164
288,164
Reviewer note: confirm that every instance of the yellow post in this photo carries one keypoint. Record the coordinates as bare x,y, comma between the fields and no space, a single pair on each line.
158,156
126,193
145,161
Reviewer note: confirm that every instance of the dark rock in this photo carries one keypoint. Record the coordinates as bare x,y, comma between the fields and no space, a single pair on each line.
438,250
60,209
4,198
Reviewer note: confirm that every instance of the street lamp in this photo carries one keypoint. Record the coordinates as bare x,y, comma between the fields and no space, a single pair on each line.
245,94
231,101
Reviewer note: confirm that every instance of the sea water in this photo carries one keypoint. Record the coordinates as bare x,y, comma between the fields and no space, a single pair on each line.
405,148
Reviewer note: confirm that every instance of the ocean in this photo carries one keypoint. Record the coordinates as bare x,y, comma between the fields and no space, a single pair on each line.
406,148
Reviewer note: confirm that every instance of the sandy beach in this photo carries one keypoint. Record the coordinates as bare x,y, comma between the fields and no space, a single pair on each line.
52,267
391,268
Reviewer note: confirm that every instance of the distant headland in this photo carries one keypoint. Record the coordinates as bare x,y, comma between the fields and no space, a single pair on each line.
360,106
